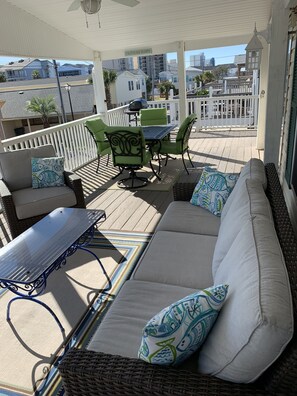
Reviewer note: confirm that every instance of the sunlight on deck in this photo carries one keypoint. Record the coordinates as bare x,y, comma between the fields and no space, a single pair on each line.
227,150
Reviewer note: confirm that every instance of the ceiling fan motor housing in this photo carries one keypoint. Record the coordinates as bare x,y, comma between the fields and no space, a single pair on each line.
91,6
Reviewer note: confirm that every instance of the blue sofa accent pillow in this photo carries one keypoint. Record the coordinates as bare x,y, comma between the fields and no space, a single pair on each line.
47,172
213,190
179,330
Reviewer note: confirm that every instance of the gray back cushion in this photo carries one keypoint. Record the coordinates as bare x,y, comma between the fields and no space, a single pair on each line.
15,166
254,169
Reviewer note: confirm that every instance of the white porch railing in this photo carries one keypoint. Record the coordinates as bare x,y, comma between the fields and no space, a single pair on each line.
70,141
225,111
217,111
73,142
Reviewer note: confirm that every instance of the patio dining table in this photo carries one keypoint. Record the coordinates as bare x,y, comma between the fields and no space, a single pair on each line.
155,133
153,136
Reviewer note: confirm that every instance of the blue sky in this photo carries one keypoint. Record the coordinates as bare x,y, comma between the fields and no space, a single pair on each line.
222,55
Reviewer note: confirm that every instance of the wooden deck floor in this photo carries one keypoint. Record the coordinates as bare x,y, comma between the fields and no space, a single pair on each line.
141,210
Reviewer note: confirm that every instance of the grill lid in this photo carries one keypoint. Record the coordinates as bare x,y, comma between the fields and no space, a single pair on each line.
138,104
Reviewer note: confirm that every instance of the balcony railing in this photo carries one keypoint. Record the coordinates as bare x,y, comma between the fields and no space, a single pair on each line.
74,143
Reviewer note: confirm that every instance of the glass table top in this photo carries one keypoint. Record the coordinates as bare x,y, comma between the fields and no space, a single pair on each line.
157,132
26,257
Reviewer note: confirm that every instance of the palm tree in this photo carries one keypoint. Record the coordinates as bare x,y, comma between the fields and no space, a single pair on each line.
2,77
109,77
165,88
44,107
204,78
149,86
35,75
220,72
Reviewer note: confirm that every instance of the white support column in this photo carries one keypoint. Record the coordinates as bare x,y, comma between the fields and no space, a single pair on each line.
98,84
276,81
29,125
181,81
263,86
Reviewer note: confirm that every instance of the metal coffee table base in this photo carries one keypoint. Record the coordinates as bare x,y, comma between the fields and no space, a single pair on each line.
29,291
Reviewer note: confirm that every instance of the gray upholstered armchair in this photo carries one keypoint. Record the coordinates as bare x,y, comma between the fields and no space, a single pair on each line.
23,205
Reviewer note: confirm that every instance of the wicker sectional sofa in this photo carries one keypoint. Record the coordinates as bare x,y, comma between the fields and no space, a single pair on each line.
252,348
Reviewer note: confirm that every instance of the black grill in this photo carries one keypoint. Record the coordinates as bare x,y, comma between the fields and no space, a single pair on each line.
138,104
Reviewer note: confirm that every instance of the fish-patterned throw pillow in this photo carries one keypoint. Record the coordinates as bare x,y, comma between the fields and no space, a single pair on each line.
47,172
213,190
179,330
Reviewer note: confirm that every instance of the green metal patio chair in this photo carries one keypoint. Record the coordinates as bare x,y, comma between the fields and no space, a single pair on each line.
97,128
181,144
129,152
153,117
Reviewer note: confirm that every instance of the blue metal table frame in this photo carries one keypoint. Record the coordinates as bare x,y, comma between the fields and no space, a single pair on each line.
28,260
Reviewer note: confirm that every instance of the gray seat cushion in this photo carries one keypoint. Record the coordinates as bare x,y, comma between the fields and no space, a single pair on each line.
181,216
31,202
178,259
121,330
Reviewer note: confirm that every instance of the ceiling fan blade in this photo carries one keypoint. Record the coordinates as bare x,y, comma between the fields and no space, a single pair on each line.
129,3
74,5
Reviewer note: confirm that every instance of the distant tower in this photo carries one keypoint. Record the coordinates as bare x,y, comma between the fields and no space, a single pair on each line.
198,60
152,65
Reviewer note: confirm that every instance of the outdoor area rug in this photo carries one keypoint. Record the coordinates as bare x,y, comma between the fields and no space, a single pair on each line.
31,345
93,181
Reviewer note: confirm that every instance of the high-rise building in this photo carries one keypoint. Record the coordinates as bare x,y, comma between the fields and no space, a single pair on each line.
197,60
152,65
120,64
210,62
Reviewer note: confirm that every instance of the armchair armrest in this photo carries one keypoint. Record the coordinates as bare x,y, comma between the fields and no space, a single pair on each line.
74,182
95,374
8,208
4,190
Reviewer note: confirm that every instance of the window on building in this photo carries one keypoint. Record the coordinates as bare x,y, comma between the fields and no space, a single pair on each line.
131,85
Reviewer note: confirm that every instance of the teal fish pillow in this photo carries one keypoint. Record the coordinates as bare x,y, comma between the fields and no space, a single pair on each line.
47,172
213,190
179,330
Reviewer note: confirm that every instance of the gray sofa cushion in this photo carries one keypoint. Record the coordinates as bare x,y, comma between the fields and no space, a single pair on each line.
178,259
181,216
15,166
253,169
249,201
31,202
256,322
121,330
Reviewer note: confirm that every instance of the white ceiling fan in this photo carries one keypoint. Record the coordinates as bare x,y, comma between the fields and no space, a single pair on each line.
93,6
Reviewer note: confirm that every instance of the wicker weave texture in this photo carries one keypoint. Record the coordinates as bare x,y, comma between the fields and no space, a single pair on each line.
95,374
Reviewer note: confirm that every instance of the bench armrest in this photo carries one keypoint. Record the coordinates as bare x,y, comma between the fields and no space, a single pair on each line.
183,191
95,373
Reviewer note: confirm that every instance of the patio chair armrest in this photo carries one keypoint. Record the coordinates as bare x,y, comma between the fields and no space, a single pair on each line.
74,182
95,374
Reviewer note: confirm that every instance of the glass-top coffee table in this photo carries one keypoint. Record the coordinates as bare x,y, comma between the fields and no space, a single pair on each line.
28,260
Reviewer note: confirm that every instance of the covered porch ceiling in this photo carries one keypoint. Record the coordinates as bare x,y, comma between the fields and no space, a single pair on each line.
44,29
